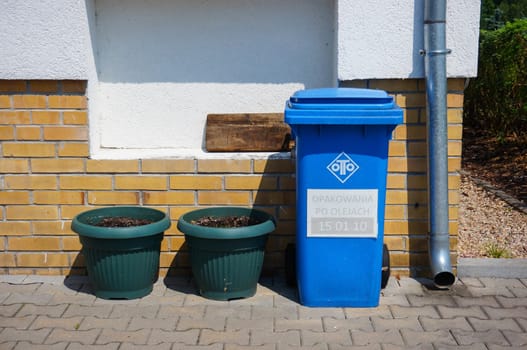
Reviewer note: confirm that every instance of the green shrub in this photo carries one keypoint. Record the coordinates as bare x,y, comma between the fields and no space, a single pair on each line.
495,100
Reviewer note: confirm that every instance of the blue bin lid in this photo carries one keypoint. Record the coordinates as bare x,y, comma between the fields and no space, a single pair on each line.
342,106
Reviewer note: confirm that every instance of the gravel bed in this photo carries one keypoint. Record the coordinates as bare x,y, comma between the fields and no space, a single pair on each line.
488,226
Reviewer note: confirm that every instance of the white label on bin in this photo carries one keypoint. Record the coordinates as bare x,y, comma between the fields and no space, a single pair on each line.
342,167
342,213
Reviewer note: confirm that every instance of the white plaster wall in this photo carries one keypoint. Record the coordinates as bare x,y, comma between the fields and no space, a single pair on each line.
44,39
382,38
163,65
156,68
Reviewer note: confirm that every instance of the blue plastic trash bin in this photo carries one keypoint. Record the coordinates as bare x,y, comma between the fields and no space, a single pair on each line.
342,137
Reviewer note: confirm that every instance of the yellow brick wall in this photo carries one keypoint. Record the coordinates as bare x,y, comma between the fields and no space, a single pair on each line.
47,177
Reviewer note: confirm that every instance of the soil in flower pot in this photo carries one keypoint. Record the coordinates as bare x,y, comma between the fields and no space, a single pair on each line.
122,221
227,221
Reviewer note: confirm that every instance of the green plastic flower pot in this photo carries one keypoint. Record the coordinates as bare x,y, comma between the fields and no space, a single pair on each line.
122,262
226,262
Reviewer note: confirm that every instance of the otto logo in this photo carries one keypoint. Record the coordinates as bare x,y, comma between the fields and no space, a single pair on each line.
343,167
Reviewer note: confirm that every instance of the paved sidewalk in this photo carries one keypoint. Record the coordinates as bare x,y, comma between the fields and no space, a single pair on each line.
53,313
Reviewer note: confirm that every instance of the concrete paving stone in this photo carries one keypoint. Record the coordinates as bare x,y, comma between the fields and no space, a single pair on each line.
512,302
70,323
62,335
514,338
501,282
304,347
51,311
167,324
21,322
235,324
195,299
406,347
246,347
424,300
471,281
392,336
394,300
128,346
522,322
342,337
177,300
354,324
214,323
457,289
478,346
319,312
13,287
410,286
492,336
287,312
49,288
285,301
148,311
261,337
180,346
405,311
414,338
358,347
283,325
226,310
499,313
477,301
456,311
506,347
159,289
158,336
481,292
82,310
76,279
24,345
208,337
4,296
78,299
269,285
112,335
86,288
30,335
43,279
10,345
79,346
176,291
384,324
114,302
169,311
257,300
519,292
23,298
487,325
94,322
16,279
10,310
433,324
383,311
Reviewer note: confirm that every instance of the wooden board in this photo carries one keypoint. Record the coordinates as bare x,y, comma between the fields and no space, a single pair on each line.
254,132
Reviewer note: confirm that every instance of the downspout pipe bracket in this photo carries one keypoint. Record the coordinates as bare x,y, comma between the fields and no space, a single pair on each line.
423,52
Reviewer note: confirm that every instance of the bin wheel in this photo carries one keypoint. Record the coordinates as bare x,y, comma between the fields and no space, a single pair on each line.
385,273
290,265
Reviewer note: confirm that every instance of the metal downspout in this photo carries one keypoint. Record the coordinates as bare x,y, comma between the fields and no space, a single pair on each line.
435,69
